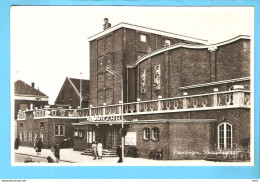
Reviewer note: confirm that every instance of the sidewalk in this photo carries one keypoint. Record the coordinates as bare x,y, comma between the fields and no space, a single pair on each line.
68,155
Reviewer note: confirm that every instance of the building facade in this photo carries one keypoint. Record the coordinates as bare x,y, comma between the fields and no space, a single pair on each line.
181,96
74,93
27,97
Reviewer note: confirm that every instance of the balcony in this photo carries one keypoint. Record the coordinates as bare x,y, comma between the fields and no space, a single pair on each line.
209,101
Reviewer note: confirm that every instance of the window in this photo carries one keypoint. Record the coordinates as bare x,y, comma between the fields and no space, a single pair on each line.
167,42
25,136
30,136
155,134
21,136
42,124
80,133
35,134
130,138
225,136
143,38
41,135
76,133
90,136
146,133
59,130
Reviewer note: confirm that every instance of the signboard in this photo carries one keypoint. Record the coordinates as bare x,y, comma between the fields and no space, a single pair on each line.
105,118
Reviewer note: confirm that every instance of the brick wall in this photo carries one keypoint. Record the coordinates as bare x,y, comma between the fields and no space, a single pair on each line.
125,47
47,127
68,95
185,66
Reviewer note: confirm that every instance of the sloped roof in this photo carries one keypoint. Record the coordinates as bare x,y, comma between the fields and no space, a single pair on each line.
20,87
146,29
85,86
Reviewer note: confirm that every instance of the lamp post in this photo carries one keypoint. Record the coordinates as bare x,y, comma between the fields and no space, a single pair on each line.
122,107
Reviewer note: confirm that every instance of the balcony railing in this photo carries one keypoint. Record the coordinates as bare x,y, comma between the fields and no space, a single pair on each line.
216,100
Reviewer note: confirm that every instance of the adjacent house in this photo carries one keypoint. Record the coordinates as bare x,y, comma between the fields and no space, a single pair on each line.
74,93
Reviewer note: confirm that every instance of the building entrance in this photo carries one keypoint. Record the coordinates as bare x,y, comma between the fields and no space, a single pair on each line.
109,136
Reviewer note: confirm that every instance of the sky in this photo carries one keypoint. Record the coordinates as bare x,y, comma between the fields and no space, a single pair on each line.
50,43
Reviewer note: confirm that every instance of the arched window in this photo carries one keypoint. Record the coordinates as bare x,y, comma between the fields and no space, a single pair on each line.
155,133
76,133
225,136
146,133
80,133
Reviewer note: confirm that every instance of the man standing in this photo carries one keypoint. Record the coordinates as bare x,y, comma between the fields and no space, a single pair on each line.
119,153
99,150
106,24
57,150
94,147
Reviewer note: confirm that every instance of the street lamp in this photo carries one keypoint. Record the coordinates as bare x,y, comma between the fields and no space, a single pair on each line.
122,106
80,89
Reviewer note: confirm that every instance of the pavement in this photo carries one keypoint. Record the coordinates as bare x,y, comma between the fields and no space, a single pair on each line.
70,156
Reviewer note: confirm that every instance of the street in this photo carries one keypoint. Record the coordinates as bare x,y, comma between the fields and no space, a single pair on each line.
21,158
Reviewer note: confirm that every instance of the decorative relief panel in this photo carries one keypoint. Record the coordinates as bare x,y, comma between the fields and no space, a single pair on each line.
101,64
157,77
142,77
109,80
109,96
101,81
101,47
100,95
109,61
108,44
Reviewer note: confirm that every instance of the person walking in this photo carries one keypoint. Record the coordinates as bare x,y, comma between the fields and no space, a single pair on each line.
119,153
16,143
39,146
99,150
94,147
57,150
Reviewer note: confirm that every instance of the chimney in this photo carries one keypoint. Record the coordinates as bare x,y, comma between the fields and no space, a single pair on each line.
33,84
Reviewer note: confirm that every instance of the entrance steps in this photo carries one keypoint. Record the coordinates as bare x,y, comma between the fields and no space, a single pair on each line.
105,152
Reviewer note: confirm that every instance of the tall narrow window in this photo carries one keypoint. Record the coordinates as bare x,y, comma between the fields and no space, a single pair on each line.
155,134
146,133
21,136
30,136
225,136
25,136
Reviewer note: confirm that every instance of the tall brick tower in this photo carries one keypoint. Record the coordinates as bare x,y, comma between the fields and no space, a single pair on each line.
117,47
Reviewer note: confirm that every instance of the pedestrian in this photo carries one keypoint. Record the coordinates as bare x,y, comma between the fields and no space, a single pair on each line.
99,150
57,150
39,146
16,143
94,147
35,142
119,153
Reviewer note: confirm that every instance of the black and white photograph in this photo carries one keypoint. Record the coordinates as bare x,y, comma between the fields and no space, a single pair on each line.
132,85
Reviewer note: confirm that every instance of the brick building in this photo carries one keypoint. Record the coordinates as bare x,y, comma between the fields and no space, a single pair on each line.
74,93
27,97
181,96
